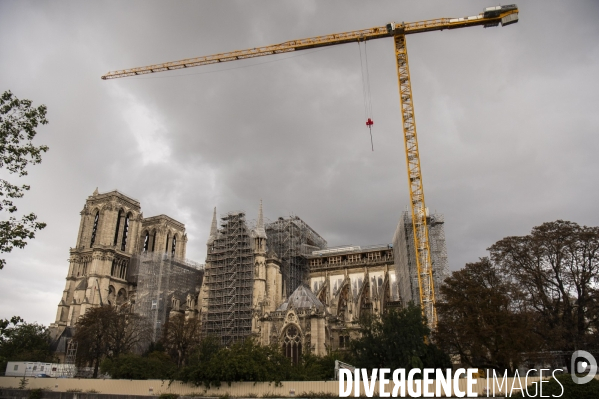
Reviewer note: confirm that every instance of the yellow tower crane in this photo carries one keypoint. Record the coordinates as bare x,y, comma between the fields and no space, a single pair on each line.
490,17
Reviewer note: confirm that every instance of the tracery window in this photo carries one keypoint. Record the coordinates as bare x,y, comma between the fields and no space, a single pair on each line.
119,268
118,225
125,232
343,341
146,241
94,229
174,245
292,344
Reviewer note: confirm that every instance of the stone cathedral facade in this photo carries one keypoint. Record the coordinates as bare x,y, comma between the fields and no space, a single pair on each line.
278,282
111,231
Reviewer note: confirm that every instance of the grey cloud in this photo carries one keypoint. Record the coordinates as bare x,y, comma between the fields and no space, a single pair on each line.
506,121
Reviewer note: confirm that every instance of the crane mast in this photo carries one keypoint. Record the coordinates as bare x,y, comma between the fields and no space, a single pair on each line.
422,251
490,17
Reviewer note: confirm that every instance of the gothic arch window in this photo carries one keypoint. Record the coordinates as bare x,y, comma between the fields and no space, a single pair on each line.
125,232
292,344
153,240
125,264
174,245
365,303
146,241
111,294
118,225
121,296
94,229
342,306
119,268
85,265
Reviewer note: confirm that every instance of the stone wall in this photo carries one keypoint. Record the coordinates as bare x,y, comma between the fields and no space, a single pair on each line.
63,388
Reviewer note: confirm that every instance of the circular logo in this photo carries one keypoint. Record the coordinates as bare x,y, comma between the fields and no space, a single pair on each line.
588,364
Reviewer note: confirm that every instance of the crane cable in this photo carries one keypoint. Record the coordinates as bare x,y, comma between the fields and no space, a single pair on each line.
366,91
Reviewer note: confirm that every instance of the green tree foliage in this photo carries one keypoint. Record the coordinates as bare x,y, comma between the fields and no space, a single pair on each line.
481,319
242,361
558,267
180,337
23,341
318,368
537,292
154,366
396,339
107,332
18,124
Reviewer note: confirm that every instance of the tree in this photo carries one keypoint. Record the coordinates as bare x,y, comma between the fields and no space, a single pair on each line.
180,337
481,318
23,341
242,361
536,293
18,121
155,366
106,331
318,368
396,339
557,265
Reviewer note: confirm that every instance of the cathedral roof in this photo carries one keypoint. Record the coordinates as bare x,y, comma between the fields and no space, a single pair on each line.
302,298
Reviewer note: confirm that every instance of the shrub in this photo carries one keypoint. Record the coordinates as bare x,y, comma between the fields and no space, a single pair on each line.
35,393
156,365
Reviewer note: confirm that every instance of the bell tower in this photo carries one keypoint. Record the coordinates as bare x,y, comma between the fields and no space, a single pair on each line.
99,263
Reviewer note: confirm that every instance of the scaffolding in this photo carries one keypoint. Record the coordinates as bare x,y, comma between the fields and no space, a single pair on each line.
160,278
405,256
292,239
65,344
229,280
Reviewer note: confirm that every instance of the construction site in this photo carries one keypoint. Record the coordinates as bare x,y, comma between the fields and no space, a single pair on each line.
235,252
291,239
229,274
257,277
229,280
406,267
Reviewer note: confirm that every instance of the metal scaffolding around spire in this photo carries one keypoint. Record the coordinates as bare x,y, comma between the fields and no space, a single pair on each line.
292,239
229,280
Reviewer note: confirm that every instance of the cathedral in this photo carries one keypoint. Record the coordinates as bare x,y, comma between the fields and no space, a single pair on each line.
278,282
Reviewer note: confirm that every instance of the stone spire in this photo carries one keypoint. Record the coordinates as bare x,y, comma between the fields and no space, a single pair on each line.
213,226
213,230
260,232
95,192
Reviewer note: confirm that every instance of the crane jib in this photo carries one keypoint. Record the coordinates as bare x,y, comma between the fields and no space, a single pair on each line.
501,14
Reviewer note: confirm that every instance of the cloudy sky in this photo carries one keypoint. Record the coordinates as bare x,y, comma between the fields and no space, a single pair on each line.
507,120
